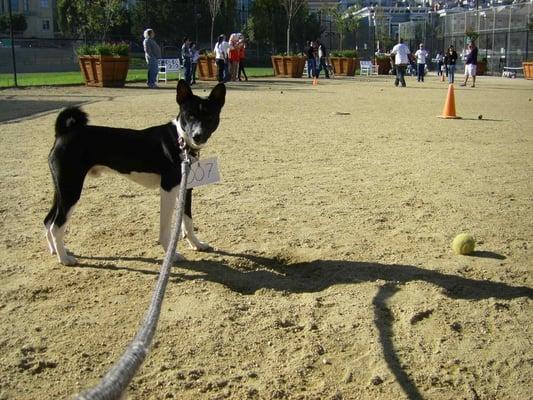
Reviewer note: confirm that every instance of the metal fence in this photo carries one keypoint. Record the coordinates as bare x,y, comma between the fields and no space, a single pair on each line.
505,38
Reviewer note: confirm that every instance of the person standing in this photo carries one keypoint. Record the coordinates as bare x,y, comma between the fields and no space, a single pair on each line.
152,54
471,64
322,59
195,55
401,55
311,60
420,55
225,47
186,58
439,59
451,58
220,57
233,56
242,56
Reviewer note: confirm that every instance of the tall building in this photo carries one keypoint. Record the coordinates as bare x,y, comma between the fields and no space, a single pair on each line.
39,16
243,8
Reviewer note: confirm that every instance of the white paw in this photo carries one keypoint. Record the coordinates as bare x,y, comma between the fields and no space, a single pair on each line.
69,260
200,246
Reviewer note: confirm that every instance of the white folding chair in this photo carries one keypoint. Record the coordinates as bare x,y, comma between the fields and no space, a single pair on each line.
167,65
366,67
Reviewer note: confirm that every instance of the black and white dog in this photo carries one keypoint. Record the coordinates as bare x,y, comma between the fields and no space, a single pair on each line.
151,157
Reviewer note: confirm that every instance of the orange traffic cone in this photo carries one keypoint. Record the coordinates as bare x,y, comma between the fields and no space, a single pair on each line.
442,77
315,81
449,107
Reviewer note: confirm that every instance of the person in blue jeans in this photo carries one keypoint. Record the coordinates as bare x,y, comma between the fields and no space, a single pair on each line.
311,59
220,57
451,60
421,55
400,56
152,54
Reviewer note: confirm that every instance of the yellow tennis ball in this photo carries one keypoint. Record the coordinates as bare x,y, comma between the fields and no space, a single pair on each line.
463,244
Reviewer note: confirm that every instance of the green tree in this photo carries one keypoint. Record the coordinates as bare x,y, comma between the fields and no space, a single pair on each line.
19,23
291,9
263,21
343,22
214,10
471,34
267,16
93,19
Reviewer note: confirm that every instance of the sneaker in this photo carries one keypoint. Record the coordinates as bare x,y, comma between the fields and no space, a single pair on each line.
473,85
462,84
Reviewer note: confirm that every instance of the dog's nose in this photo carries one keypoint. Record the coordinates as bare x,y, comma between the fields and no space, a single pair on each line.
197,137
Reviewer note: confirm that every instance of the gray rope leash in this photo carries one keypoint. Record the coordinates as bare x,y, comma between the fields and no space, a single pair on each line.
117,379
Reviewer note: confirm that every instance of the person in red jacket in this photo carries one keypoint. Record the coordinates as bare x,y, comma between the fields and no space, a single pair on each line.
242,56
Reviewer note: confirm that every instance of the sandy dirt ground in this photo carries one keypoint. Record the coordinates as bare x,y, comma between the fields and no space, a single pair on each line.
332,275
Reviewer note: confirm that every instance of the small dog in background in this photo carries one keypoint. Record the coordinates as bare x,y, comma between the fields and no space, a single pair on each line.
151,157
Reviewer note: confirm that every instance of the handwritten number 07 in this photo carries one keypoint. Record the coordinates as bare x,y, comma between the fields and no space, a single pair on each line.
199,173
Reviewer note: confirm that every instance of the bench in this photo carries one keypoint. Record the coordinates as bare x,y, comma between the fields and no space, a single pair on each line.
367,68
167,65
510,72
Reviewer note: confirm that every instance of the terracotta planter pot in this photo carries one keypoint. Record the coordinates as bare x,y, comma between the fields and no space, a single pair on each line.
207,68
104,71
344,66
481,68
528,70
288,66
383,66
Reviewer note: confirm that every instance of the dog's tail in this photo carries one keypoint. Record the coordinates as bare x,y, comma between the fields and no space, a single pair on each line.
69,118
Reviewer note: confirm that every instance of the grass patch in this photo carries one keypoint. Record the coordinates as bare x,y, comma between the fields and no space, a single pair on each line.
75,77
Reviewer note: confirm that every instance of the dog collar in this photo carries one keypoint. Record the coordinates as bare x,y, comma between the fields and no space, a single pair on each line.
184,143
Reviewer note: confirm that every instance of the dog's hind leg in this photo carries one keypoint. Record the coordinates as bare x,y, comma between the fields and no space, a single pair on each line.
187,227
48,223
57,233
68,191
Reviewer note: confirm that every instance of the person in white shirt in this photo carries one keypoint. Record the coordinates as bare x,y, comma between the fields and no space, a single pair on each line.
225,47
420,55
221,57
400,56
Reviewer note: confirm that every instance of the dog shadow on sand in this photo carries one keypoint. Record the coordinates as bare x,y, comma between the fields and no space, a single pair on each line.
315,276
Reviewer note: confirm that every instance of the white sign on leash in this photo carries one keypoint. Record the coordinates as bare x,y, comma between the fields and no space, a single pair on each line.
203,172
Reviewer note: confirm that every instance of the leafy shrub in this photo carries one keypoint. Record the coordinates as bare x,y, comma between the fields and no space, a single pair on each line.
344,53
103,49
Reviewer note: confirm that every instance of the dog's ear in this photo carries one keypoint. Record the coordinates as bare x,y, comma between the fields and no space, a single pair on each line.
218,94
183,92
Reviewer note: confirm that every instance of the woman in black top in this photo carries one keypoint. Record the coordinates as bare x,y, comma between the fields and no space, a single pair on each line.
451,60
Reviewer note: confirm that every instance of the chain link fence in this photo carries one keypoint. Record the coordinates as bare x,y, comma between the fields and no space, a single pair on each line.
505,37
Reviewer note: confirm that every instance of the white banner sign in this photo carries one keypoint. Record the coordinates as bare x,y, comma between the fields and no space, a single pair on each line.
203,172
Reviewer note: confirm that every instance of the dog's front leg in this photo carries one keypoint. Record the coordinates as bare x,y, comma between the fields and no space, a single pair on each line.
168,202
187,227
